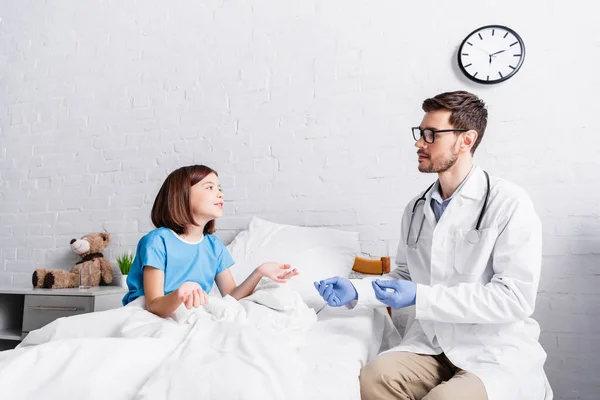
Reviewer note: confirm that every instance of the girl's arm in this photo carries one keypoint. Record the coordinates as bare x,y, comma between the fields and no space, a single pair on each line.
154,290
163,305
227,286
279,273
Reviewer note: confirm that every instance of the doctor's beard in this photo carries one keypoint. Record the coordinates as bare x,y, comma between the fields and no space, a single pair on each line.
442,163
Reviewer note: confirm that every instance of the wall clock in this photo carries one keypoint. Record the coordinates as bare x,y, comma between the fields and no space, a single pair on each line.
491,54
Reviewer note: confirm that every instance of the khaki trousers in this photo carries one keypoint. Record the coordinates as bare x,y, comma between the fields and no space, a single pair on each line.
408,376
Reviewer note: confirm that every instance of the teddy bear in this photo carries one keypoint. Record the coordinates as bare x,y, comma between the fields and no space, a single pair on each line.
89,248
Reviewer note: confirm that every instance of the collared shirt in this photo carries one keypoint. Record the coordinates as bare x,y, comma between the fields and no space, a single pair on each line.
437,204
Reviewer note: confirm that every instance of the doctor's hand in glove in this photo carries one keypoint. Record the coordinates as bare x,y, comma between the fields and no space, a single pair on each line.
336,291
395,293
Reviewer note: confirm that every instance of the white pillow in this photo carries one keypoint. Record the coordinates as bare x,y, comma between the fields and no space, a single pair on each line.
317,253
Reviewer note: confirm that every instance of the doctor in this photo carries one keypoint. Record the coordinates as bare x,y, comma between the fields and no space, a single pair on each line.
469,260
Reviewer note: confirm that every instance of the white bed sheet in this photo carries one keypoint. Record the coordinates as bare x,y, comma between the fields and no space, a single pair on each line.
269,348
339,345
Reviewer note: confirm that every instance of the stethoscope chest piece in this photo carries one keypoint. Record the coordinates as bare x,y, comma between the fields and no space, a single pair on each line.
473,236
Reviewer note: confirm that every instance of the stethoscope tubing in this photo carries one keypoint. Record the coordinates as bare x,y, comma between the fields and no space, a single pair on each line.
477,226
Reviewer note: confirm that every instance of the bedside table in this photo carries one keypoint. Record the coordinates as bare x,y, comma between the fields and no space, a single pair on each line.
23,310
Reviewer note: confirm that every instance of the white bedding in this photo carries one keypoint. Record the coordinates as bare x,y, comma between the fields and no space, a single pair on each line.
339,345
267,346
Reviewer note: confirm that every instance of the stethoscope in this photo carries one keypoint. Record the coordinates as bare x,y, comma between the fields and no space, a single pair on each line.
473,235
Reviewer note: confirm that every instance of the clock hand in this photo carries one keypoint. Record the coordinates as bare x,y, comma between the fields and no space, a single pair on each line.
494,54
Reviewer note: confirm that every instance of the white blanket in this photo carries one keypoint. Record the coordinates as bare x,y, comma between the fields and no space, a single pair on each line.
226,350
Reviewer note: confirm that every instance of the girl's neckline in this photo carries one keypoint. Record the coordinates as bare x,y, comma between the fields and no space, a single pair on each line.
183,240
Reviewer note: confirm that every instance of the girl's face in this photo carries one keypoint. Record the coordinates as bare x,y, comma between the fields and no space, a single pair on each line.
206,199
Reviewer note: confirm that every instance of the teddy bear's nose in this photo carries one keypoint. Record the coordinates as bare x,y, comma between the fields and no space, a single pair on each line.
73,241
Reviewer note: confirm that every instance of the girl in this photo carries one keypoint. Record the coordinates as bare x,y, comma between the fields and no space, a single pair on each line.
181,260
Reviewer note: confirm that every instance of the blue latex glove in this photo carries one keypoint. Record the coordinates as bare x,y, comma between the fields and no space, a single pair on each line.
404,293
337,291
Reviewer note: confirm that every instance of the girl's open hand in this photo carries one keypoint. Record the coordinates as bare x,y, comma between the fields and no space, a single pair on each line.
192,295
279,273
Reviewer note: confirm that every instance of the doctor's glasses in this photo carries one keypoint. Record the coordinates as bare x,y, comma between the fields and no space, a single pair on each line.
429,135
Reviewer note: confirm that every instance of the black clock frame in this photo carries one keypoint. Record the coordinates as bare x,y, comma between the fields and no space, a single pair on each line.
485,82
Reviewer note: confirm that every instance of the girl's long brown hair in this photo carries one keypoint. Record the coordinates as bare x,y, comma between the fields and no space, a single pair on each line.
171,207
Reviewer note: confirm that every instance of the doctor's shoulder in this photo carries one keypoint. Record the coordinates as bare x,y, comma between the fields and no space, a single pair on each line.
411,204
508,197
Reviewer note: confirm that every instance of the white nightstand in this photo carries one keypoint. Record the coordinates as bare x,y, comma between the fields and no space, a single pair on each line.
23,310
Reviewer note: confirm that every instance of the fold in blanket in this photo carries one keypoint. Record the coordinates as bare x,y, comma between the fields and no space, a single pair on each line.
225,350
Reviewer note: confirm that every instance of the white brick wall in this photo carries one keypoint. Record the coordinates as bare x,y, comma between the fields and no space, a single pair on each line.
303,106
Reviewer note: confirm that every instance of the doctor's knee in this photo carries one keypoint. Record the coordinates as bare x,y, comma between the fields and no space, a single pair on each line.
372,377
378,379
370,373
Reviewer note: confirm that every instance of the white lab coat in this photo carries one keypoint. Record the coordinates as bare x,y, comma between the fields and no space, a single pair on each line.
474,301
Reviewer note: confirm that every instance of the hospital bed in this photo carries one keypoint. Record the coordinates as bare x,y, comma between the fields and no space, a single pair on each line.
348,339
130,354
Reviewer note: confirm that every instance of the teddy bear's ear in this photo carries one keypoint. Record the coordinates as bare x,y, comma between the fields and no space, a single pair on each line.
105,236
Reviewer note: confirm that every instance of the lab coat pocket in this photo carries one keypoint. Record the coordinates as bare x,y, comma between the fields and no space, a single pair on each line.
472,258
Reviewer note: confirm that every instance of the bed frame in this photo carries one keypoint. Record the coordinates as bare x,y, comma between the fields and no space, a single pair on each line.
372,267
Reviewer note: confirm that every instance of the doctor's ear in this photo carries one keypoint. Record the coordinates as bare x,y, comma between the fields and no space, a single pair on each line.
469,138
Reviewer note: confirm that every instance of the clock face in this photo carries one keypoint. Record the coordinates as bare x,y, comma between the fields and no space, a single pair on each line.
491,54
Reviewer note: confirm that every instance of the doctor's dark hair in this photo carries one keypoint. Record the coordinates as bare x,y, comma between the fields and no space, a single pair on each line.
468,111
171,207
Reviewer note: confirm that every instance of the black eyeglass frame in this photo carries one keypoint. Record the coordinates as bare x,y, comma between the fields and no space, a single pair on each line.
421,133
